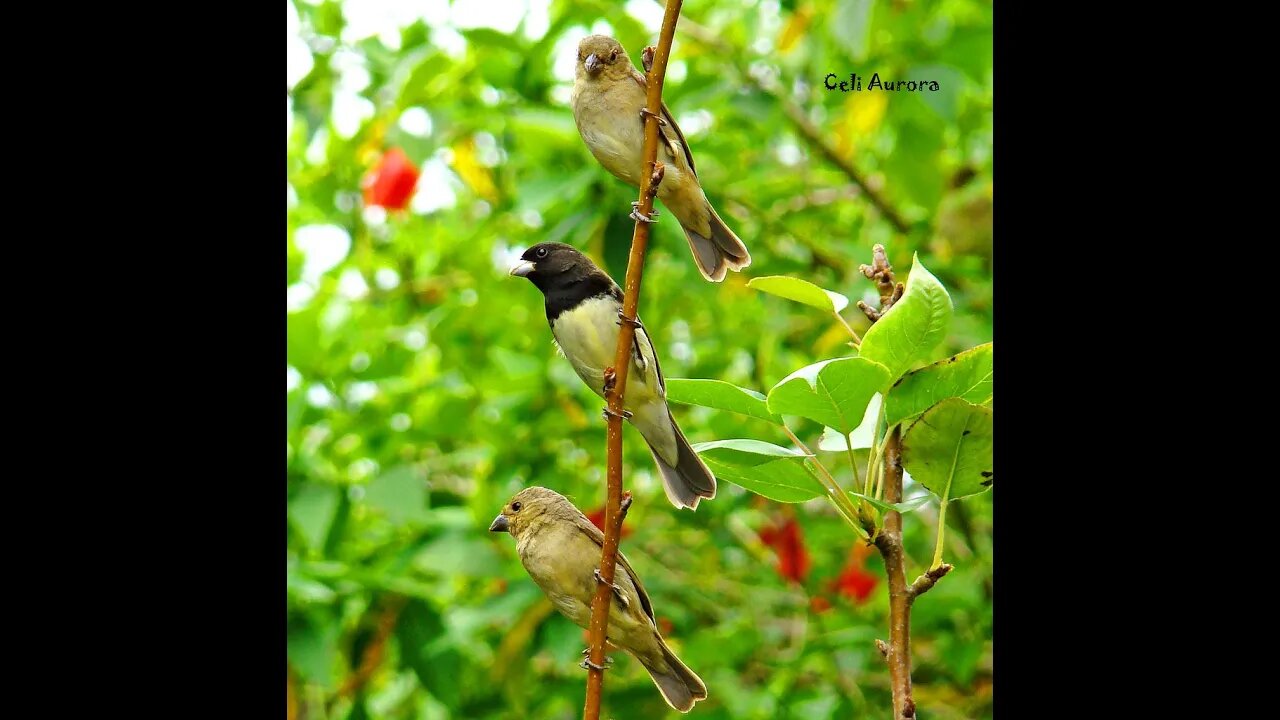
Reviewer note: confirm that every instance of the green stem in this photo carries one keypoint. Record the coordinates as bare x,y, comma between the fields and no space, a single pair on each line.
942,532
843,504
857,341
852,464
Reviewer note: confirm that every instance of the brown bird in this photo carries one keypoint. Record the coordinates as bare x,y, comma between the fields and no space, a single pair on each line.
560,549
608,106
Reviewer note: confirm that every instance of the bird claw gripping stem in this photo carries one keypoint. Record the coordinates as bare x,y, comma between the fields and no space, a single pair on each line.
586,663
633,322
625,414
610,376
635,205
617,590
635,215
645,112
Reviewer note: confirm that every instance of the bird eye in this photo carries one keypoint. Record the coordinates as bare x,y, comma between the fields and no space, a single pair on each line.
613,55
540,252
515,507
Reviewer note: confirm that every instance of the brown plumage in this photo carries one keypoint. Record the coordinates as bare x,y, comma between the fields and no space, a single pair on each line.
608,95
560,549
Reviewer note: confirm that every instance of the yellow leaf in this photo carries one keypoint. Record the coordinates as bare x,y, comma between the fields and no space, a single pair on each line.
795,28
475,175
863,112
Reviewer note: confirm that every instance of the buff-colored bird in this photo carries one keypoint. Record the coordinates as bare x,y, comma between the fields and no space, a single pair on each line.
608,103
560,549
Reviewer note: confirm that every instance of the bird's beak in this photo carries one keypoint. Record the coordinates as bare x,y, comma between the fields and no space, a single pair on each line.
523,269
500,524
592,62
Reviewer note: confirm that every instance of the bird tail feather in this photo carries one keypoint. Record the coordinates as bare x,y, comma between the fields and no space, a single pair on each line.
690,479
679,685
719,253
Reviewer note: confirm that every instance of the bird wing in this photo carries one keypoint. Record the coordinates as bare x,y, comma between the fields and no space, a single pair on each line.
676,145
642,351
597,536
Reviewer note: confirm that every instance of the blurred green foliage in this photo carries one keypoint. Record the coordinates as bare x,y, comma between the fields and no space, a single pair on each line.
423,388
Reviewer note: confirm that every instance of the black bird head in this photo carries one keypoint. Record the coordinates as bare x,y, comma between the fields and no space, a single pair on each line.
552,265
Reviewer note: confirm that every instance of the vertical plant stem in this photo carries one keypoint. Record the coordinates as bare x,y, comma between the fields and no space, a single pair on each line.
889,542
835,493
942,531
651,175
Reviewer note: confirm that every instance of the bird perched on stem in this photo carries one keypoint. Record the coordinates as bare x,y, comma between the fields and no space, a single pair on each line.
609,107
560,549
584,309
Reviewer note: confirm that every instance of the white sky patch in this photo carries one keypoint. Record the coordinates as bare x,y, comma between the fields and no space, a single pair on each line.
293,379
414,339
601,27
384,18
490,96
319,396
504,256
677,71
647,12
386,278
361,392
288,107
318,149
374,215
565,55
401,422
788,153
501,15
437,187
538,19
351,284
416,121
297,295
323,247
298,60
695,123
350,109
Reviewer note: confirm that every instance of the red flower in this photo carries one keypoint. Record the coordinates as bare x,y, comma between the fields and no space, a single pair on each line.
390,184
855,582
786,540
819,604
597,518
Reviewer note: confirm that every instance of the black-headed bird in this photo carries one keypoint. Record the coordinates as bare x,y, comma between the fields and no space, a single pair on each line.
584,309
608,102
560,549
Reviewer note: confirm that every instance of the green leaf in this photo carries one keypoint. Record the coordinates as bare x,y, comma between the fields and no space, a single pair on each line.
948,450
312,511
419,631
721,396
801,292
832,392
913,327
906,506
967,375
745,452
775,472
851,27
400,493
833,441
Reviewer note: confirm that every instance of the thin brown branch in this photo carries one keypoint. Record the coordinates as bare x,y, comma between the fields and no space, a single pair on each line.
651,176
374,652
889,542
927,581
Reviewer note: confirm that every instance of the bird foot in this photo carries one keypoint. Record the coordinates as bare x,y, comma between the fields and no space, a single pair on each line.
617,590
633,322
636,215
625,415
645,111
586,663
610,376
635,205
